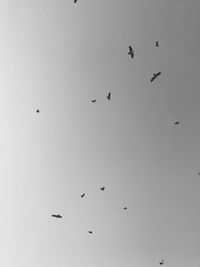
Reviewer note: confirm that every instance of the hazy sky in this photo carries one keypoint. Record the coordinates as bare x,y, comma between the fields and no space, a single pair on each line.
57,56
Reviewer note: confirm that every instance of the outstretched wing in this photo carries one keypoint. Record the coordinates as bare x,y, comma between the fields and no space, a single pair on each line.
158,74
153,78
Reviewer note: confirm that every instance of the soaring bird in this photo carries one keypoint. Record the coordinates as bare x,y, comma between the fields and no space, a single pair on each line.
155,76
162,262
131,52
90,232
176,122
75,1
37,110
109,96
94,100
56,216
157,44
83,195
125,208
102,188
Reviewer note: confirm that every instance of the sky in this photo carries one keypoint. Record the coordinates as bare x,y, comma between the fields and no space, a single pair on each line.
56,56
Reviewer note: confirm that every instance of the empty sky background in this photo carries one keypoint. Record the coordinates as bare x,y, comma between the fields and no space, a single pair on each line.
56,56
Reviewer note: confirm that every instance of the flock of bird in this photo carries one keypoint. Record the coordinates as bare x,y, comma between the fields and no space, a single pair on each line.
82,196
131,52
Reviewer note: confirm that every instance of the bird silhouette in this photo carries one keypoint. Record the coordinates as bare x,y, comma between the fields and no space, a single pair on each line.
75,1
162,262
155,76
90,232
37,110
176,122
131,52
125,208
102,188
108,96
94,100
56,216
157,44
83,195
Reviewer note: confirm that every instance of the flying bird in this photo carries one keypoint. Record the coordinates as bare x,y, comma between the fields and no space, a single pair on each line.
176,122
94,100
102,188
37,110
131,52
83,195
109,96
125,208
90,232
75,1
162,262
56,216
157,44
155,76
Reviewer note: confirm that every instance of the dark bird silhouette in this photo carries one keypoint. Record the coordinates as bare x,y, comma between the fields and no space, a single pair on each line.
155,76
102,188
176,122
162,262
56,216
83,195
37,111
94,100
75,1
108,96
157,44
90,232
125,208
131,52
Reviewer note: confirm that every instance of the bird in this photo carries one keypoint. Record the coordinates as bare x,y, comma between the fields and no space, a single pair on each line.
109,96
90,232
94,100
131,52
176,122
102,188
75,1
162,262
125,208
56,216
83,195
37,110
157,44
155,76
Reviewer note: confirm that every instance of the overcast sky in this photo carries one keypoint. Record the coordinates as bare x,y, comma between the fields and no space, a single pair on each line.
56,56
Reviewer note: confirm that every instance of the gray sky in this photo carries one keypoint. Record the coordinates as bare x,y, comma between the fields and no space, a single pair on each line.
56,56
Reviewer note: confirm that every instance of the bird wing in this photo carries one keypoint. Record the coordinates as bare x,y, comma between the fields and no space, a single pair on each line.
153,78
158,73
